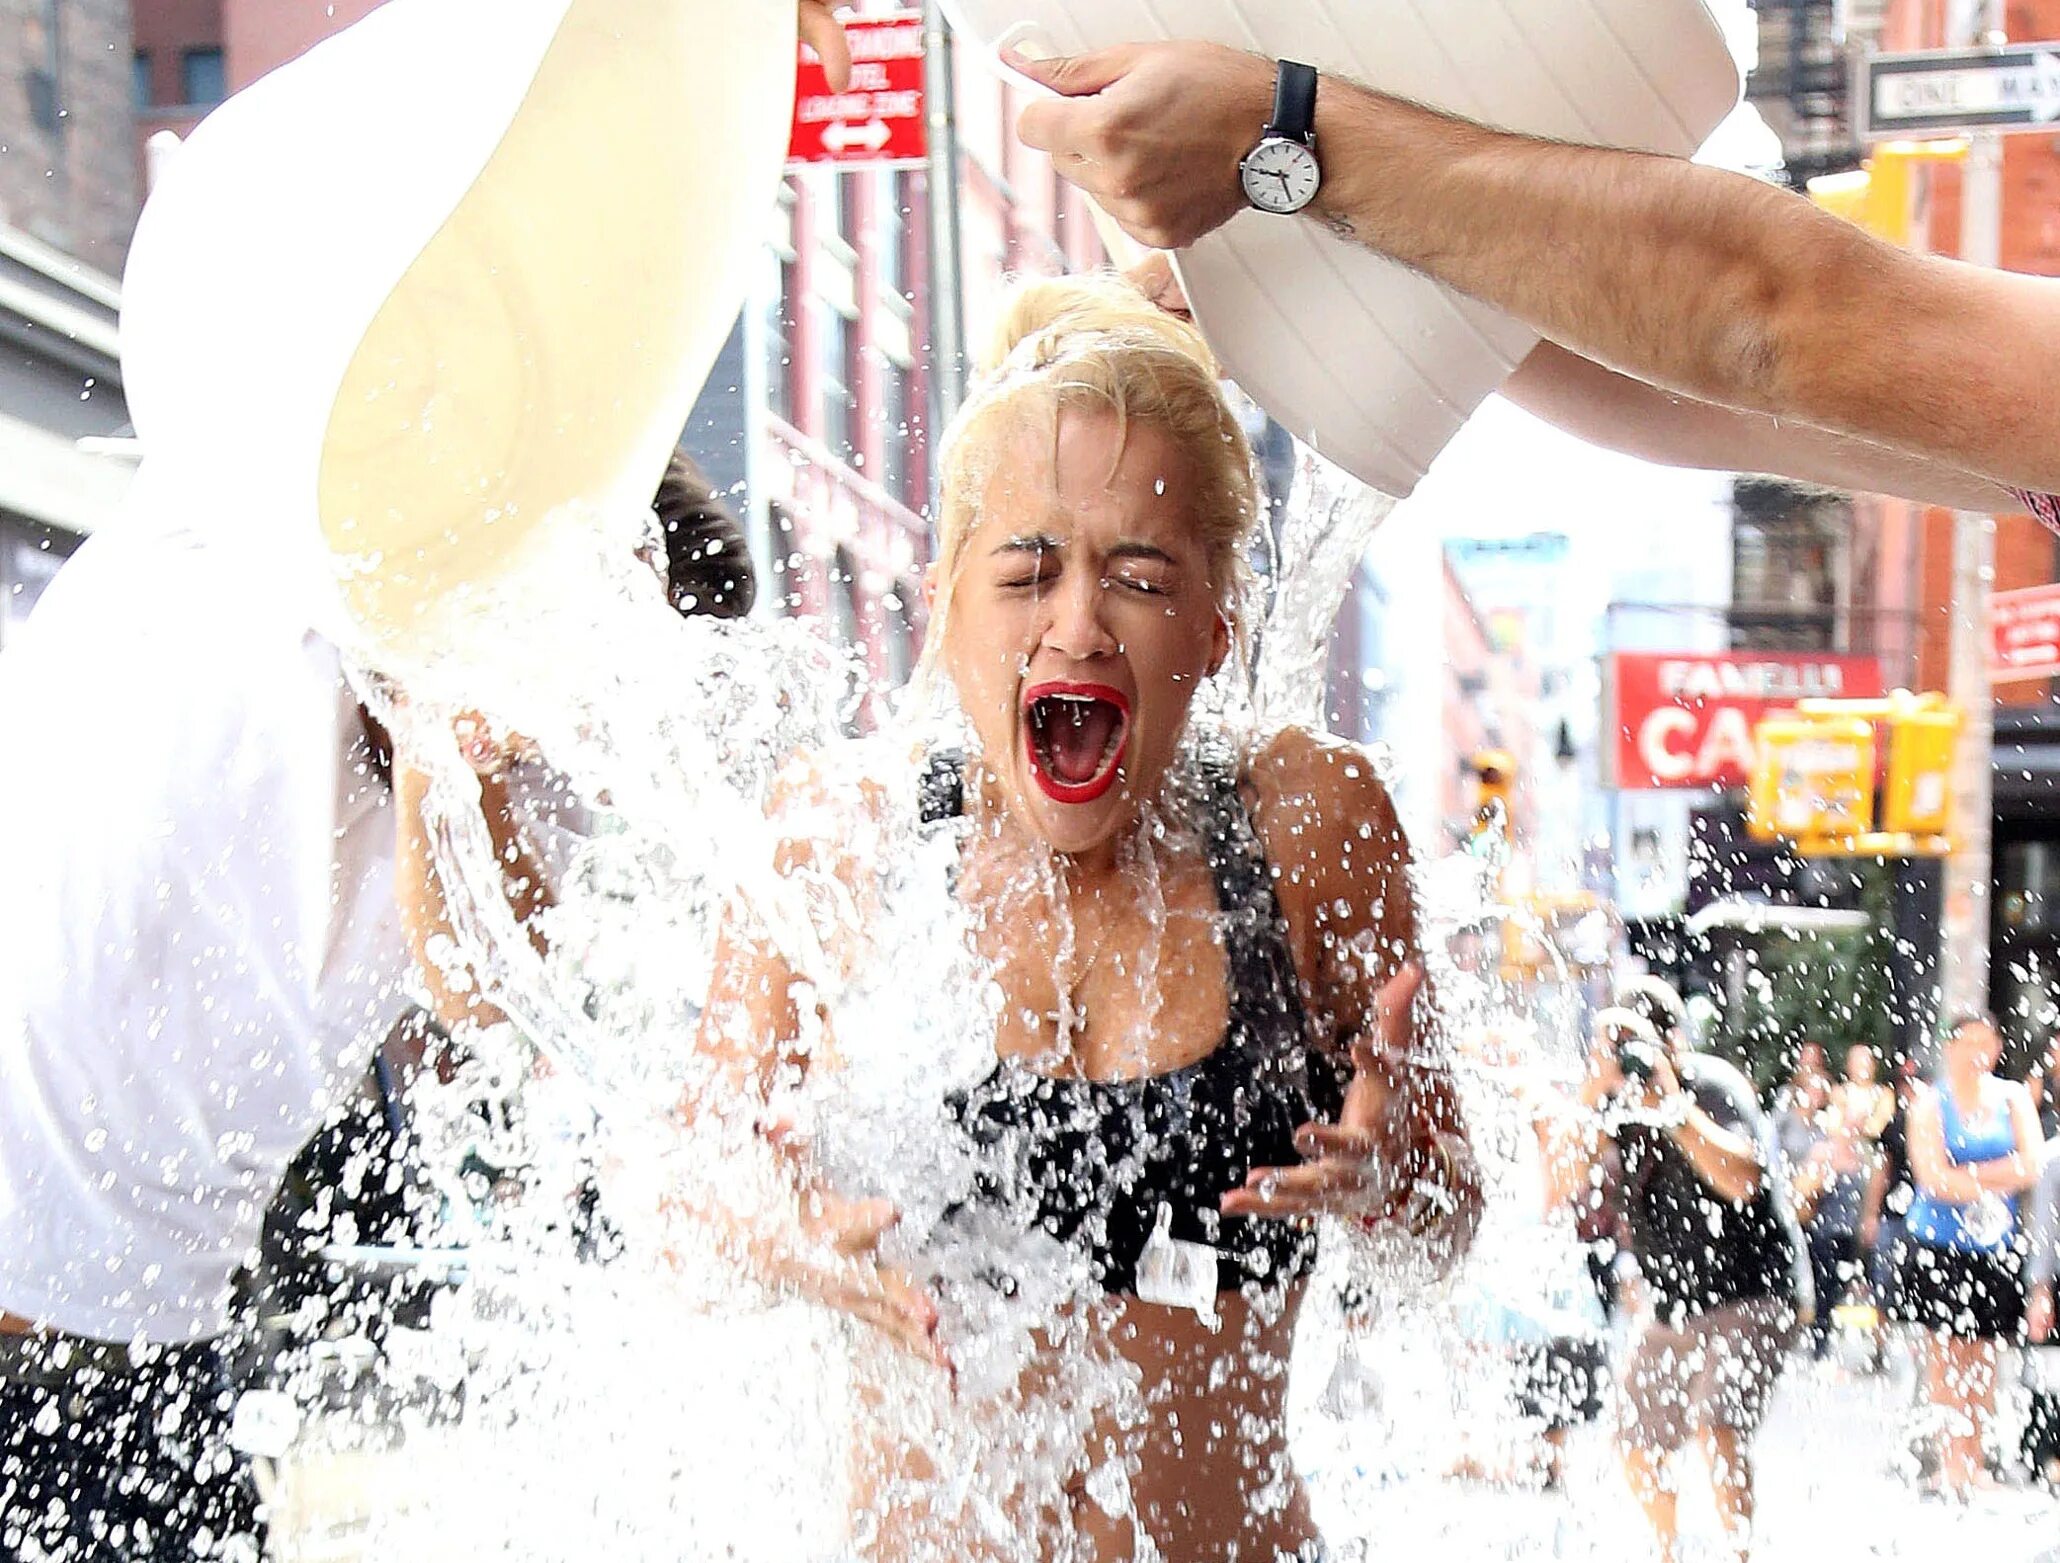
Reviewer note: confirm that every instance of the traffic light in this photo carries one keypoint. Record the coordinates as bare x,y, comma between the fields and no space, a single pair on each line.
1494,774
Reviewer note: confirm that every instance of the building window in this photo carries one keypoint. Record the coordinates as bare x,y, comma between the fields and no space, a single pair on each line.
894,229
779,342
838,428
30,556
898,474
1790,557
44,48
844,185
141,92
202,78
786,572
846,608
903,645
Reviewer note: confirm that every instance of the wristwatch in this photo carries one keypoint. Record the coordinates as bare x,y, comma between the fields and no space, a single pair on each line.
1281,173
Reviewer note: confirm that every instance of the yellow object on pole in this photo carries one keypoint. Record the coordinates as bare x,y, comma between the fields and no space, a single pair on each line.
1813,777
1878,196
1917,797
1813,781
1494,772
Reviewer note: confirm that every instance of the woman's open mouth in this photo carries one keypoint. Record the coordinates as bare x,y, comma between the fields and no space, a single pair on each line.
1075,735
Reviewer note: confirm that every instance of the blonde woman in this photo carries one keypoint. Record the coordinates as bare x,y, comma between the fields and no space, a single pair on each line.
1186,1068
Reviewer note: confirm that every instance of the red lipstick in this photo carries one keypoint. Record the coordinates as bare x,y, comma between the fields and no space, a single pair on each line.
1043,704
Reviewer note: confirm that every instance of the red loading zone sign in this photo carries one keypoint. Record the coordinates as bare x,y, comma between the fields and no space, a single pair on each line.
1686,719
880,118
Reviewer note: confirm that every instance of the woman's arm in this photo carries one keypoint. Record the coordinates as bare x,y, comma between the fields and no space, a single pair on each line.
794,1235
1624,414
1930,1165
1342,862
454,991
2018,1171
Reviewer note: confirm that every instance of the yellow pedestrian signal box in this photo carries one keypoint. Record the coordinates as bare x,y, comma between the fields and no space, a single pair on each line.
1494,772
1813,779
1917,797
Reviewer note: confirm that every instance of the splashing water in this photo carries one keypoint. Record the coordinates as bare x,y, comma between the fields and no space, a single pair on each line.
672,734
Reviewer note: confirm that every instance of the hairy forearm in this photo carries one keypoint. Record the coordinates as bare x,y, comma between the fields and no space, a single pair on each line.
1697,280
1652,265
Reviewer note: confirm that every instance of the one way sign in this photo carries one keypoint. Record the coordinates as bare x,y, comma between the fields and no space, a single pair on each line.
1942,92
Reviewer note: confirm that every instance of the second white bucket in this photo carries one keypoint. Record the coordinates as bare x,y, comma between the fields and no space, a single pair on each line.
1369,363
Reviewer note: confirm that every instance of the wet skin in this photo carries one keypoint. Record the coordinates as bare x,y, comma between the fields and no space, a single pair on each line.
1086,568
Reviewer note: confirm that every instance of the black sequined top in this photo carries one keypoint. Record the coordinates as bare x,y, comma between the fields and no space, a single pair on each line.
1092,1161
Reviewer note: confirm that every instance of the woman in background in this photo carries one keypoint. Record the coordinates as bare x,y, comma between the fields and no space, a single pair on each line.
1974,1152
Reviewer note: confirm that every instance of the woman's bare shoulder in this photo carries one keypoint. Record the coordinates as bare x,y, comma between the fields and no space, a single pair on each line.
1318,801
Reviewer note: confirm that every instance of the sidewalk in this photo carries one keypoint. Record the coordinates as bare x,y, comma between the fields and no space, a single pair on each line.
1828,1488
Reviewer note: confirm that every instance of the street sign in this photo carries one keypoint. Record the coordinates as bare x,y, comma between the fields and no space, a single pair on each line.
1686,719
1942,92
2024,634
880,118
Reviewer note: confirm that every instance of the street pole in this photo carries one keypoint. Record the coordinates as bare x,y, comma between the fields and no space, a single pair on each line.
1964,981
947,290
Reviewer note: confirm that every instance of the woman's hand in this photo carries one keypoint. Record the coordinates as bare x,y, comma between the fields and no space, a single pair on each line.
487,754
822,32
837,1263
1382,1161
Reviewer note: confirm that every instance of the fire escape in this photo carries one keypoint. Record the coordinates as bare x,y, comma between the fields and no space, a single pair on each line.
1803,83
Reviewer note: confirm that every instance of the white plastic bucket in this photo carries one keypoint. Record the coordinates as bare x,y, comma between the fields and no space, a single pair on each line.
465,262
1369,363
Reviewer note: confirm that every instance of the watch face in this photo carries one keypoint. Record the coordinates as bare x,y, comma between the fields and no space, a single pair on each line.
1280,175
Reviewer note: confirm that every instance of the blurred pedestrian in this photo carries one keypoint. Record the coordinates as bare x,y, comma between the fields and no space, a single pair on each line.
1688,325
1974,1150
2044,1081
1719,1257
1799,1116
1861,1098
1830,1192
1891,1189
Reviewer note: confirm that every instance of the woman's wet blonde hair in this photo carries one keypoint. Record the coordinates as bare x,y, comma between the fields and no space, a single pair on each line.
1094,342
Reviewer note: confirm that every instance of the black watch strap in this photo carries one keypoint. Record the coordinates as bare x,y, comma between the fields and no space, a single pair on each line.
1294,101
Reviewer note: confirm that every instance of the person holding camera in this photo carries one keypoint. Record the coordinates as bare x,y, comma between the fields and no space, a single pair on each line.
1721,1259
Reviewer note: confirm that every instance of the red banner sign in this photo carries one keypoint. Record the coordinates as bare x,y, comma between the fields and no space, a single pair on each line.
1685,718
2024,634
880,118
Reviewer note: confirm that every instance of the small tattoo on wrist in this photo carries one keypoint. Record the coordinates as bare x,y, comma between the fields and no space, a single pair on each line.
1340,224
